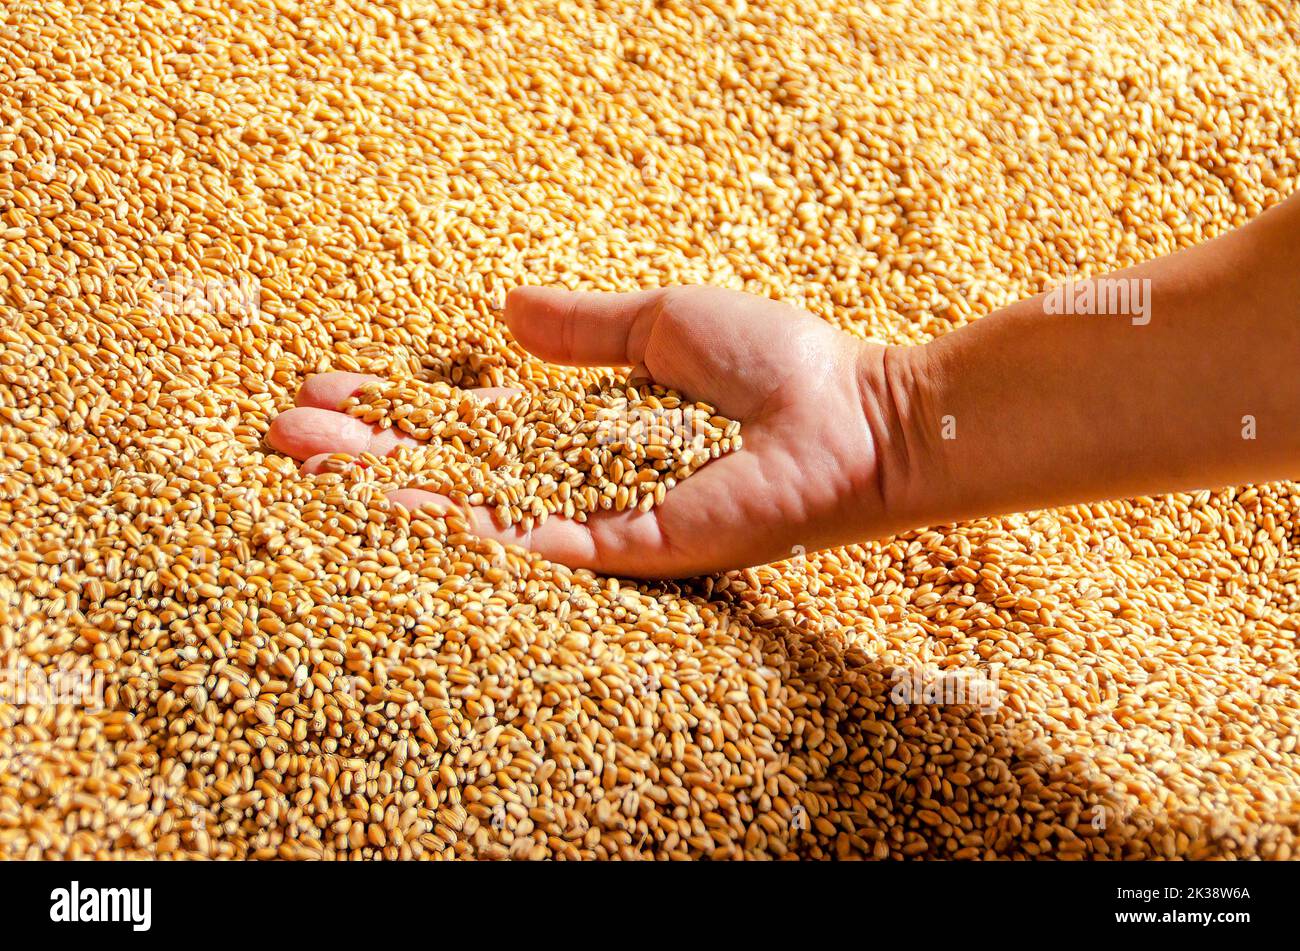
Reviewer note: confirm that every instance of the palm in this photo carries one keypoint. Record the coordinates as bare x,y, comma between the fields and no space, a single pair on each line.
786,376
790,379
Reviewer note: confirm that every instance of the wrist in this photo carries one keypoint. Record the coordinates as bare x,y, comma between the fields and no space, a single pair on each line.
897,390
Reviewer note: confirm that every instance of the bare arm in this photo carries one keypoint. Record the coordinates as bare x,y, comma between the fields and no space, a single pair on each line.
1194,384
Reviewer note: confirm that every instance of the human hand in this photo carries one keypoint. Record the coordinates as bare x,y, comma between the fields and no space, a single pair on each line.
815,405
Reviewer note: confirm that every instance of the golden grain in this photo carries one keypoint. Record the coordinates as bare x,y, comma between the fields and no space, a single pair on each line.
572,450
201,209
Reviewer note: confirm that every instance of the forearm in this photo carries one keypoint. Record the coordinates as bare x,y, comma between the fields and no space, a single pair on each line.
1195,385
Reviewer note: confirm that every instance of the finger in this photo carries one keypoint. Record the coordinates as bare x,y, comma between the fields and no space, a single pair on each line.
582,328
412,499
331,390
306,431
315,464
495,394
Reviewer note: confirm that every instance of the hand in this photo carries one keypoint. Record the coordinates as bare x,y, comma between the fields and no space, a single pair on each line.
814,406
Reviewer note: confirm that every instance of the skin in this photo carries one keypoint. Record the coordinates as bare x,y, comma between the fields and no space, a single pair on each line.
1054,409
847,440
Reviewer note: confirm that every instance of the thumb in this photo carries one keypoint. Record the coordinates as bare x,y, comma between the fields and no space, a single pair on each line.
582,328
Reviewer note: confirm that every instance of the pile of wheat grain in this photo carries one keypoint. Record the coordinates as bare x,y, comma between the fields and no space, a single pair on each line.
208,653
569,451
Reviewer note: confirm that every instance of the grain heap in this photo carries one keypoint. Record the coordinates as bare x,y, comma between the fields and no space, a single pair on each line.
570,451
202,205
